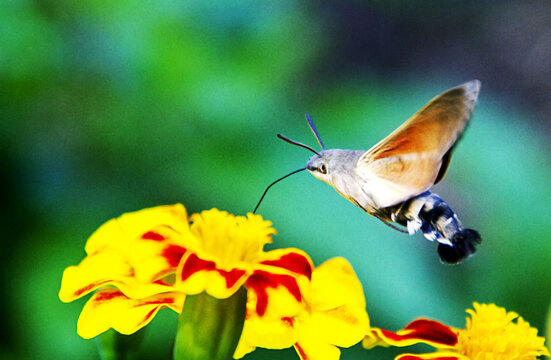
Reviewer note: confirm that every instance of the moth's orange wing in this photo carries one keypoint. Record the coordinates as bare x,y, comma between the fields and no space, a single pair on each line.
416,155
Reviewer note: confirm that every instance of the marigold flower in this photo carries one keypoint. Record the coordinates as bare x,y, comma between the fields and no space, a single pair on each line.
490,334
332,315
150,259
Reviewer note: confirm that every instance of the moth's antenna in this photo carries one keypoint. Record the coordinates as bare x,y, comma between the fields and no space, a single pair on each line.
272,184
286,139
313,128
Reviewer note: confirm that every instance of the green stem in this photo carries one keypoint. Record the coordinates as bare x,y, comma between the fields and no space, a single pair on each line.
115,346
210,328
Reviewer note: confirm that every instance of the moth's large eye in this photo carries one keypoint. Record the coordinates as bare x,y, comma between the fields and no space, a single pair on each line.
322,169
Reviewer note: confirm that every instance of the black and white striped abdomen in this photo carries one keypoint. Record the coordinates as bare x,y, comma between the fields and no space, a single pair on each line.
434,217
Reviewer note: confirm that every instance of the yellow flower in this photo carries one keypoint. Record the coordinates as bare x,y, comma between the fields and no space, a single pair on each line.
491,331
332,315
150,259
490,334
548,327
226,253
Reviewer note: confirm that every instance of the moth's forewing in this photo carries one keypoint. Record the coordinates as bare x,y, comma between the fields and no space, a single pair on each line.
410,160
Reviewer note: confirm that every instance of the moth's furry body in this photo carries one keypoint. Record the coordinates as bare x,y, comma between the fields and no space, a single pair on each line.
437,221
391,180
426,212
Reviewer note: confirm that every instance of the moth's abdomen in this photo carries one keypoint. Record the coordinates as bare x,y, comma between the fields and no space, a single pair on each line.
464,242
434,217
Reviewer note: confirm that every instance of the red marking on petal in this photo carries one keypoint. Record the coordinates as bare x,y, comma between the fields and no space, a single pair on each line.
293,262
162,301
260,281
147,316
301,352
232,276
413,357
171,228
194,264
427,330
152,235
433,331
108,295
287,321
173,254
84,289
88,288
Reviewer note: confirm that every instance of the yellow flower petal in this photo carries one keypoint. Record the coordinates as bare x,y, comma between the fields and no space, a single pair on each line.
94,271
275,295
444,355
104,268
195,275
110,308
280,281
274,299
291,261
243,349
334,284
338,304
156,253
121,232
265,332
418,331
311,347
343,326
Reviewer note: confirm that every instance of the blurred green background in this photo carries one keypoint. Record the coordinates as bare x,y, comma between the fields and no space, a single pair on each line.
110,107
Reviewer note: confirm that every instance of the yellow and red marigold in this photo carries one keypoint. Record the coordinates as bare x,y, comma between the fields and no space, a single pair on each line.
490,334
150,259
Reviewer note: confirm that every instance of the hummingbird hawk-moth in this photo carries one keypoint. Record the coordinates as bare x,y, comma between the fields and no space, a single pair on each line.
391,181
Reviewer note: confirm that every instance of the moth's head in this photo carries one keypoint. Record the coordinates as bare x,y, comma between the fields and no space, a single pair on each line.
318,165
